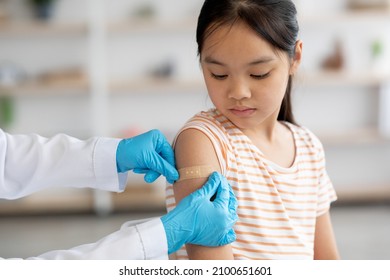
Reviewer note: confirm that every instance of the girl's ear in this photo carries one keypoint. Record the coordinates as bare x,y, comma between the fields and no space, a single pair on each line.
296,61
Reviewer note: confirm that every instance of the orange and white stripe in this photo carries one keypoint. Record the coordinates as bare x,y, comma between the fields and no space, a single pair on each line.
277,206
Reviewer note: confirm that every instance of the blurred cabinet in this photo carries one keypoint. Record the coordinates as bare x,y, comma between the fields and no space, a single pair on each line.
98,68
44,78
119,68
342,95
346,105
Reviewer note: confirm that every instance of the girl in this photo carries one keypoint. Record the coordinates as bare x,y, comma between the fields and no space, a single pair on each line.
249,53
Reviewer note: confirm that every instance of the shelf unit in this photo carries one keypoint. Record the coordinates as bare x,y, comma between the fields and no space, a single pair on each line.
320,78
356,154
99,87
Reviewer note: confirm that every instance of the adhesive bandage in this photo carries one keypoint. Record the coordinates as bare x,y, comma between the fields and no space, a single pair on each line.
194,172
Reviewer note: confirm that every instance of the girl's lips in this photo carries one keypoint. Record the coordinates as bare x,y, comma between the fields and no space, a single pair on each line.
243,111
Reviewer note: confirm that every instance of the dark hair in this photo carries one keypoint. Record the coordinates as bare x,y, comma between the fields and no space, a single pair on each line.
273,20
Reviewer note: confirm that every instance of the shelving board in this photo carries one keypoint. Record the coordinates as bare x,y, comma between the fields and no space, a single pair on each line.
156,85
345,16
364,135
151,26
34,88
38,28
342,77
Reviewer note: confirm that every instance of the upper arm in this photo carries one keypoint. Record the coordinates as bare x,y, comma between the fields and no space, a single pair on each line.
193,148
325,247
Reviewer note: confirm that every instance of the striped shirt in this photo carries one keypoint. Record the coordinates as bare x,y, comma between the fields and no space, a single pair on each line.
277,206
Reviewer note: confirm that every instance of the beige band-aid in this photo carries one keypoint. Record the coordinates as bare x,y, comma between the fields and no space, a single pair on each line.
194,172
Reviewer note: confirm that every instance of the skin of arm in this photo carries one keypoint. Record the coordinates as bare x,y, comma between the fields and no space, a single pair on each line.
325,247
193,148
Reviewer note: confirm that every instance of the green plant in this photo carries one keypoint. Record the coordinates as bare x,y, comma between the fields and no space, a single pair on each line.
376,48
6,111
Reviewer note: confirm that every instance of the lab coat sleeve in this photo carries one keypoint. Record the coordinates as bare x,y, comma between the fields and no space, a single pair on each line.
29,163
145,241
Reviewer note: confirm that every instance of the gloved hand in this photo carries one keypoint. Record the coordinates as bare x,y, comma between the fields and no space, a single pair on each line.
200,221
148,154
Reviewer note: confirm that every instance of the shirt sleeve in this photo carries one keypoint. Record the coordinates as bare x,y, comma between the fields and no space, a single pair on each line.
326,191
30,163
326,194
104,162
154,240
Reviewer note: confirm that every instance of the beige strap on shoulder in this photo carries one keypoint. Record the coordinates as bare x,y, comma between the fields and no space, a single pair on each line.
194,172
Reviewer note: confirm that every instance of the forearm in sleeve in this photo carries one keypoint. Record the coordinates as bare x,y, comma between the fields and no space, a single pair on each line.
29,163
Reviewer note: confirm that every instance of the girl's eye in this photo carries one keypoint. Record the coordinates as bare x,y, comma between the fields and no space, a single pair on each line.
219,77
259,77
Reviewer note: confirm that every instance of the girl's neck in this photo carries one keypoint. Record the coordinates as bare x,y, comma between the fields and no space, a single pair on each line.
266,132
275,141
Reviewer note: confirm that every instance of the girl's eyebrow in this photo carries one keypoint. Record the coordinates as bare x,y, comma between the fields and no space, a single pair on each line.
210,60
262,60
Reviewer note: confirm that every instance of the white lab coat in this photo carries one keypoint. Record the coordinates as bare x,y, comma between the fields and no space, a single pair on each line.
29,163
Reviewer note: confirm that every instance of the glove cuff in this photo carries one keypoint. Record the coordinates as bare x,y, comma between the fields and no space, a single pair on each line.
120,153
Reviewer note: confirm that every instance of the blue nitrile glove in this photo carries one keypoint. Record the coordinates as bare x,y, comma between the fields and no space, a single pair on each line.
149,154
200,221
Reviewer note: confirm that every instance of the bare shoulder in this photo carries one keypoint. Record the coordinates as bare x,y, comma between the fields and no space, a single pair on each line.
193,148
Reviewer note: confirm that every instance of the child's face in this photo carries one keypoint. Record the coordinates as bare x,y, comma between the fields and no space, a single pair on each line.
245,78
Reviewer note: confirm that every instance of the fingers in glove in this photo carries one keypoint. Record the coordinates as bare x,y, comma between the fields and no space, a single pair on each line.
140,170
164,149
161,166
232,206
151,176
210,187
228,238
223,193
231,236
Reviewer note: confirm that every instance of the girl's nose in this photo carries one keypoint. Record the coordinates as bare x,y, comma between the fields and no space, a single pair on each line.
239,90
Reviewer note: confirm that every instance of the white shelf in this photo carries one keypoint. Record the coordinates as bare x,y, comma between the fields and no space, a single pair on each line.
82,86
365,135
38,88
47,202
36,28
139,197
346,16
340,78
156,85
152,26
363,192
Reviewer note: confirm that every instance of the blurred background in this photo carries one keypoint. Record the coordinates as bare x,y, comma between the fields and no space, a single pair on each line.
120,68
